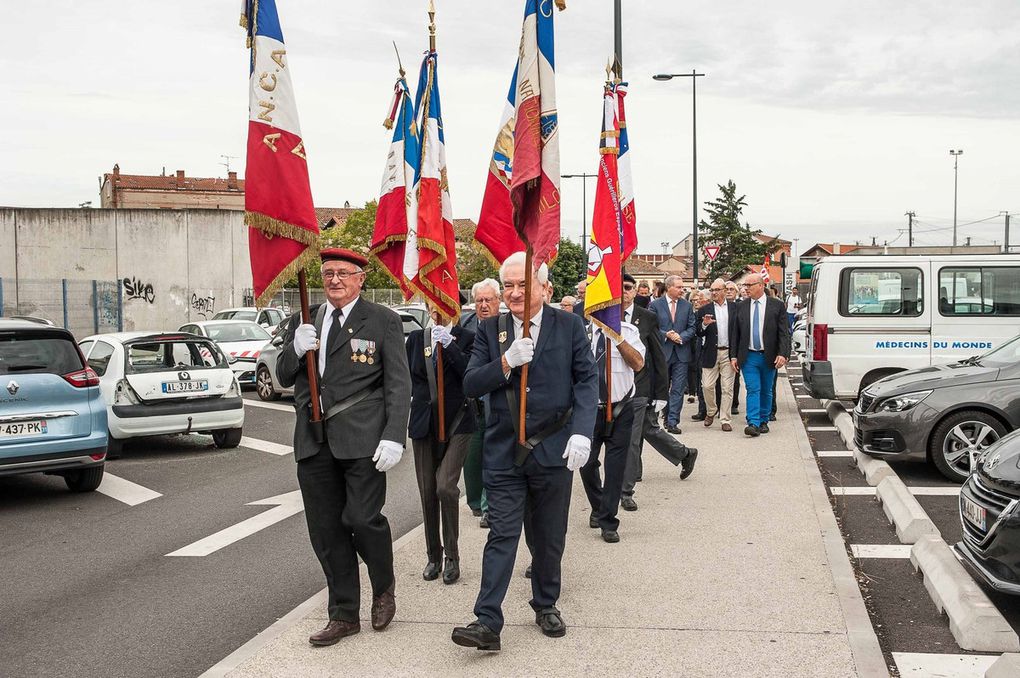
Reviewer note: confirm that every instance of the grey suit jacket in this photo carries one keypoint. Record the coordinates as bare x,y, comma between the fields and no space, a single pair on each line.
355,432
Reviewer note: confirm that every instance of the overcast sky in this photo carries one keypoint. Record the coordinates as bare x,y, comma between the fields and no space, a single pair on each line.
833,118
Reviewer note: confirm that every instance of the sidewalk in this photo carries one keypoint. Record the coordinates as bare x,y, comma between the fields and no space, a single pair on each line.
737,571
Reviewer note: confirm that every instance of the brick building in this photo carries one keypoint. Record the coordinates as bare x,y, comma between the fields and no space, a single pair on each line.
171,191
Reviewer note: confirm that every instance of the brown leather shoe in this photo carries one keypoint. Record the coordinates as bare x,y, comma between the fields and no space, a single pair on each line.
384,606
727,427
709,419
333,632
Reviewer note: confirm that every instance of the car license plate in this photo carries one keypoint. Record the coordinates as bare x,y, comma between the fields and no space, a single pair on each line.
186,386
23,428
973,513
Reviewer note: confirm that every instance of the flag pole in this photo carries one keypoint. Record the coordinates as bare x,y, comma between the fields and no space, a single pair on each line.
311,358
529,273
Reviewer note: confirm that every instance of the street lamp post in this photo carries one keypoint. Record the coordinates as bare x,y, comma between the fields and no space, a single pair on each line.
693,75
584,205
956,160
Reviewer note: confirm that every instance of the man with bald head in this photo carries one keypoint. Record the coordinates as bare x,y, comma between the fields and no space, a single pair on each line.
759,345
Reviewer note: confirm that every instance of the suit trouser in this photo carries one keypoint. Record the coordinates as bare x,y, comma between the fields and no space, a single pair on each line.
759,379
545,491
722,371
473,471
647,428
775,381
694,383
677,384
438,474
605,497
343,507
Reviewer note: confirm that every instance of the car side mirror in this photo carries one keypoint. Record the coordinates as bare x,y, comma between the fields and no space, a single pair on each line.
277,340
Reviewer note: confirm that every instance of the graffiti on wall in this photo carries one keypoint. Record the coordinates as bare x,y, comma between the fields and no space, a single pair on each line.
136,289
203,306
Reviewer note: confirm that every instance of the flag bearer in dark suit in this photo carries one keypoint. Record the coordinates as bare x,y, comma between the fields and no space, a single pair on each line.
560,418
365,393
759,345
712,322
438,463
651,388
676,327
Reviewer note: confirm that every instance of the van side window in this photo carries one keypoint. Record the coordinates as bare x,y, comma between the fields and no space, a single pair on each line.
881,292
979,290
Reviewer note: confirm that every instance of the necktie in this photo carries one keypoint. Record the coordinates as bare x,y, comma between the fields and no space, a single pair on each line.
756,328
672,310
334,330
600,365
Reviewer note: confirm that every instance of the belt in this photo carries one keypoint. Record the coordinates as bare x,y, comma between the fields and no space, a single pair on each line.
722,347
756,351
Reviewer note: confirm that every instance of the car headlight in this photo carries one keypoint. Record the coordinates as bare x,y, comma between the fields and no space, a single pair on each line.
902,403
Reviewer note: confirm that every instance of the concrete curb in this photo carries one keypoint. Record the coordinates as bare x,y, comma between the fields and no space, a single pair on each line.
904,511
975,622
874,470
1006,666
868,658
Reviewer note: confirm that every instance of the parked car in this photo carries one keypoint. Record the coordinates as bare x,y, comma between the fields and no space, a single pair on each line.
268,387
157,384
420,312
989,508
799,337
52,418
240,340
268,318
948,414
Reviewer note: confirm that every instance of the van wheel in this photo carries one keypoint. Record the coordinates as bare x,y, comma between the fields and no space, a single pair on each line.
227,438
264,385
114,447
85,480
958,438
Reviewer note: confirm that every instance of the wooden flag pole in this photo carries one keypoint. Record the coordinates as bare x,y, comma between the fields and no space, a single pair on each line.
311,358
529,274
609,379
440,392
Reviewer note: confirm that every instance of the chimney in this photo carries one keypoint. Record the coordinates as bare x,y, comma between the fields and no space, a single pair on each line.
232,180
116,170
180,178
835,248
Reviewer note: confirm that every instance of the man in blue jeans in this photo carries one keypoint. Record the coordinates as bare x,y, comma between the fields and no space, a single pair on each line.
676,328
759,345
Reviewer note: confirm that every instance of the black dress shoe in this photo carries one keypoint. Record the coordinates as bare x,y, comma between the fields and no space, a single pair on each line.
476,512
764,428
687,465
476,635
772,417
431,572
592,522
527,572
484,522
698,417
751,430
610,536
734,410
333,632
451,572
551,623
675,430
628,504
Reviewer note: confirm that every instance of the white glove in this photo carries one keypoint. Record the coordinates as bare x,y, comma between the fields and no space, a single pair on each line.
441,335
387,454
305,339
577,452
520,352
659,405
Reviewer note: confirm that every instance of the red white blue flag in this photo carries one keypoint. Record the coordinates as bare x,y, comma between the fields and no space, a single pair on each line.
283,231
521,205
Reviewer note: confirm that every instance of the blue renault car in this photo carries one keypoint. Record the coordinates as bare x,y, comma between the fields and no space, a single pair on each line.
52,417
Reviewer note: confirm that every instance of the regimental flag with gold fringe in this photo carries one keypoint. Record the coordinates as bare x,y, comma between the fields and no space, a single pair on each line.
613,235
283,231
521,205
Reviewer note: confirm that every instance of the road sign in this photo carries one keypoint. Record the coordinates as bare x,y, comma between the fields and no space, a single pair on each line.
712,251
284,506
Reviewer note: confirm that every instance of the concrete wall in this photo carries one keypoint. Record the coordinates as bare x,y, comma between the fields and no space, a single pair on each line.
173,266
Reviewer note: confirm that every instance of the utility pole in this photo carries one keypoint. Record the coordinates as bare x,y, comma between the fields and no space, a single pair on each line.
910,228
1005,241
956,162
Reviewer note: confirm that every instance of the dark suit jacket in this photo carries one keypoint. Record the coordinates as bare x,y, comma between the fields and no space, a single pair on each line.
455,360
683,324
775,332
711,333
355,432
562,375
653,380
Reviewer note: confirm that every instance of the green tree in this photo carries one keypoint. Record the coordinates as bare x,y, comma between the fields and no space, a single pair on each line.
473,264
571,264
738,245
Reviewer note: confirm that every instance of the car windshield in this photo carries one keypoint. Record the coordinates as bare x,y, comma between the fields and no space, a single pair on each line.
237,332
1005,355
35,353
159,355
235,315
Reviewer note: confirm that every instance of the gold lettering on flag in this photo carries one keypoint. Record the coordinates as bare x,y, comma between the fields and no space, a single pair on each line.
269,87
278,55
299,150
269,108
270,140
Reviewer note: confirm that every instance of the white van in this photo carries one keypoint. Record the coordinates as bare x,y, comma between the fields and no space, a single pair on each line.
871,316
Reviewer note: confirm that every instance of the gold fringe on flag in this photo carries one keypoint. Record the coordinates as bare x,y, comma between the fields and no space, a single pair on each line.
274,227
286,274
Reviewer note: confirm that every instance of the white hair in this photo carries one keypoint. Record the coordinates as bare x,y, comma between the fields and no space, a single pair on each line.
519,259
481,285
670,280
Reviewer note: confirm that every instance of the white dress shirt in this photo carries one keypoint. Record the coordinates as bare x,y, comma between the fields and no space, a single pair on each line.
623,374
792,303
327,322
760,302
722,324
536,325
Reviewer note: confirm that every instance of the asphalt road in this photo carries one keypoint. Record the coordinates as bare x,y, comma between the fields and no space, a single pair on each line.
88,588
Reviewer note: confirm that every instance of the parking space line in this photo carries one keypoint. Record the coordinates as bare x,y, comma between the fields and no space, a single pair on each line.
266,446
834,453
803,396
812,411
925,664
125,491
938,491
821,428
862,491
880,550
270,406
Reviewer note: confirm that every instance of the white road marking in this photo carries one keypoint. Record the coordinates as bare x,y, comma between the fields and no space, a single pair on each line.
880,550
270,406
862,491
125,491
940,491
821,428
835,453
803,396
284,506
928,665
812,411
266,446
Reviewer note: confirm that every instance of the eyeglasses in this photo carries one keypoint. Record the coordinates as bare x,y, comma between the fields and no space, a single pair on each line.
339,275
628,287
718,289
753,284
